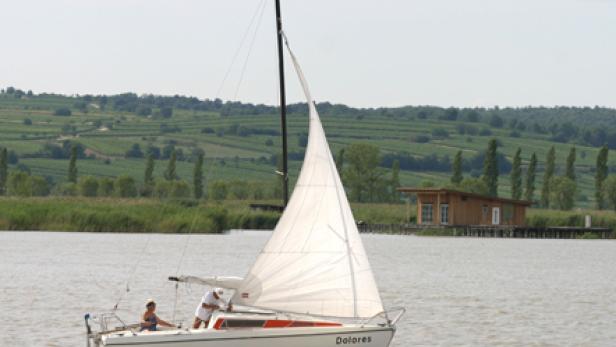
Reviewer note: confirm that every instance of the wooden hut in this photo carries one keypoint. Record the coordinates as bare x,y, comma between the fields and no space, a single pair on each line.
439,206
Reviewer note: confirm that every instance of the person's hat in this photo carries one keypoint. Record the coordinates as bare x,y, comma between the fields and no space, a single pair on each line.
219,291
149,302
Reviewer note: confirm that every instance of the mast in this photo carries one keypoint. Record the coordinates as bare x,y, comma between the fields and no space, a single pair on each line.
283,108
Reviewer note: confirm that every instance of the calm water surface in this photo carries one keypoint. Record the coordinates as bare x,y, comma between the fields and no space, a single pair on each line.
458,291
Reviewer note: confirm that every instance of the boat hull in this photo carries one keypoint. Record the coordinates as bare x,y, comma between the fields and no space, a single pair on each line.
295,337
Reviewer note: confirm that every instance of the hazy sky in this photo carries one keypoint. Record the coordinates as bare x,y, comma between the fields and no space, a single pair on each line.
358,52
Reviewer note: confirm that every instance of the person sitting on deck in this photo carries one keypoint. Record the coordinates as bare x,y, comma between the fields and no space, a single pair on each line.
211,301
150,320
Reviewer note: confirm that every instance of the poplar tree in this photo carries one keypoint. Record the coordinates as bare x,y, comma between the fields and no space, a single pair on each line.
570,170
4,165
490,169
530,178
72,165
170,174
198,177
148,177
550,163
456,177
600,176
395,181
516,176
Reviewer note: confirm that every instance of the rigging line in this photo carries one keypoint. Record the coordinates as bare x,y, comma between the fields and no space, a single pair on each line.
254,36
132,274
239,48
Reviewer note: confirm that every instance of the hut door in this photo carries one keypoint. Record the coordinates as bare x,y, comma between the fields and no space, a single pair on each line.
495,215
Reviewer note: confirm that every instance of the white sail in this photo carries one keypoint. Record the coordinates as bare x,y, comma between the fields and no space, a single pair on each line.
314,262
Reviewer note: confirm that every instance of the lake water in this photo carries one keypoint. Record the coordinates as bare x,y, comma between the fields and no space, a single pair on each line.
458,291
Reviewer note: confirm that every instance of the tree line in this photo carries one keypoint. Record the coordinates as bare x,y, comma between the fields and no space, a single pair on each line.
170,186
583,125
557,191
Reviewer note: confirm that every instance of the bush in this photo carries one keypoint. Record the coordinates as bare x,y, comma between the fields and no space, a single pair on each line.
239,189
496,121
219,217
420,139
440,133
180,190
88,186
39,186
66,189
218,190
62,112
134,152
125,187
485,132
19,184
162,189
105,187
166,112
27,121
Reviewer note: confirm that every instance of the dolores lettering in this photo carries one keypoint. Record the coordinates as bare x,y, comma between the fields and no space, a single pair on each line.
353,340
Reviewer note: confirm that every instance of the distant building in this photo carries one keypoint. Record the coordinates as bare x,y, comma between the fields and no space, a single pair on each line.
439,206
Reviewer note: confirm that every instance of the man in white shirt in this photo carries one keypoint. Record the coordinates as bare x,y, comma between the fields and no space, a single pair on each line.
211,301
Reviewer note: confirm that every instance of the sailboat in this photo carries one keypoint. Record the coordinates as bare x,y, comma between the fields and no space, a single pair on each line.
311,285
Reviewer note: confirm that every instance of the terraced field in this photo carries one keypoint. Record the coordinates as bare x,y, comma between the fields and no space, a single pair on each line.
27,124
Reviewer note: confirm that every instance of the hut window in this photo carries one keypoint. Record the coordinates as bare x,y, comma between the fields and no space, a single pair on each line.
485,211
444,214
426,214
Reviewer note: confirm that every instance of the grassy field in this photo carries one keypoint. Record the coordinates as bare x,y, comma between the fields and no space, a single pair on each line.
152,215
229,156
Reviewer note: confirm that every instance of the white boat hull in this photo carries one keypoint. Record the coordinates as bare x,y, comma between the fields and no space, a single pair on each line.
284,337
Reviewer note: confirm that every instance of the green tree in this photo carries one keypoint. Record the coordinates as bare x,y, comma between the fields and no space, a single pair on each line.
19,184
609,187
105,187
362,173
148,176
72,165
456,177
170,174
474,185
516,175
395,181
529,192
340,160
162,189
180,189
239,189
550,167
39,186
88,186
4,170
198,177
218,190
490,168
570,169
600,176
562,192
66,189
125,187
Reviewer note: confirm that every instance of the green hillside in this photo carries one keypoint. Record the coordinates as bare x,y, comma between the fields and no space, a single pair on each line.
241,141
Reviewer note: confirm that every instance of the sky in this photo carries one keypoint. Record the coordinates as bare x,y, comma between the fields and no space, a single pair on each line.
363,53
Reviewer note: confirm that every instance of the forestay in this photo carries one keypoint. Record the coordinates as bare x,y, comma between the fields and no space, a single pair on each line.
314,262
